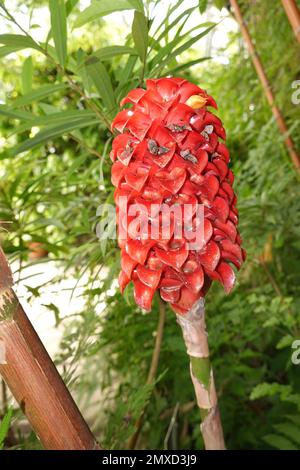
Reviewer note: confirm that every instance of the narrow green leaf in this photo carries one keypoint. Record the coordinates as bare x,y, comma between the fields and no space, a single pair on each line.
289,430
219,4
127,73
51,133
37,95
4,426
99,9
55,118
6,50
140,34
279,442
169,52
180,50
109,52
76,164
59,28
186,65
27,72
102,82
174,23
137,5
20,41
202,6
9,113
70,6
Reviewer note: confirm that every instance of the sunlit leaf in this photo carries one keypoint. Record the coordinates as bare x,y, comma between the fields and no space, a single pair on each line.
140,34
59,28
202,5
55,117
6,50
20,41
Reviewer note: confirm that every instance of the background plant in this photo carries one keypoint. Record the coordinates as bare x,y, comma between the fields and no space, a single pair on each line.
60,89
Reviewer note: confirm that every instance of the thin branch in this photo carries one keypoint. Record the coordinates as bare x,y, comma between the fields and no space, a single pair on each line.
84,145
153,368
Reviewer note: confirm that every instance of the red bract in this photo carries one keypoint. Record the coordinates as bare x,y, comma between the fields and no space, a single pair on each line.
168,154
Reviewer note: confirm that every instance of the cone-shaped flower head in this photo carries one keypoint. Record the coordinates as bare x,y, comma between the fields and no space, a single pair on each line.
177,216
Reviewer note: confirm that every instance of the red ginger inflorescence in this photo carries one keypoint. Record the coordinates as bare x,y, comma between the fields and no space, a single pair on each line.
169,153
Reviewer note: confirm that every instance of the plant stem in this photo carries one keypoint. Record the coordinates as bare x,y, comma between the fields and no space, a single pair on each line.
195,338
153,368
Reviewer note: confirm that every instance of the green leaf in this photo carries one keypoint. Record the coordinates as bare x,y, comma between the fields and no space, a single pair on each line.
137,5
202,5
102,82
59,28
140,34
285,341
38,95
171,10
70,6
102,8
109,52
53,118
51,133
295,419
165,51
279,442
7,112
20,41
6,50
174,23
171,55
4,426
127,73
27,72
219,4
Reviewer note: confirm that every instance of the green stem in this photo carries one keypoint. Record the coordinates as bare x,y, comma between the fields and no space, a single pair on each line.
195,337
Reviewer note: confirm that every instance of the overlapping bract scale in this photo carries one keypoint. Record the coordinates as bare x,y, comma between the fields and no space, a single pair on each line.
170,152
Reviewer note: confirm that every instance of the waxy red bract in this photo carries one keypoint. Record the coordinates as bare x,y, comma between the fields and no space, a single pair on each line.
169,152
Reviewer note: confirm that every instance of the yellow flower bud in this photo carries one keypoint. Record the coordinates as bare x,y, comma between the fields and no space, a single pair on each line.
196,101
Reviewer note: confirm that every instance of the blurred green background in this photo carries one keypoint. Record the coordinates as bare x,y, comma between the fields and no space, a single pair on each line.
59,90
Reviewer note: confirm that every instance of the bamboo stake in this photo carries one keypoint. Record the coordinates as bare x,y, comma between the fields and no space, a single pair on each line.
34,380
195,338
293,14
266,86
